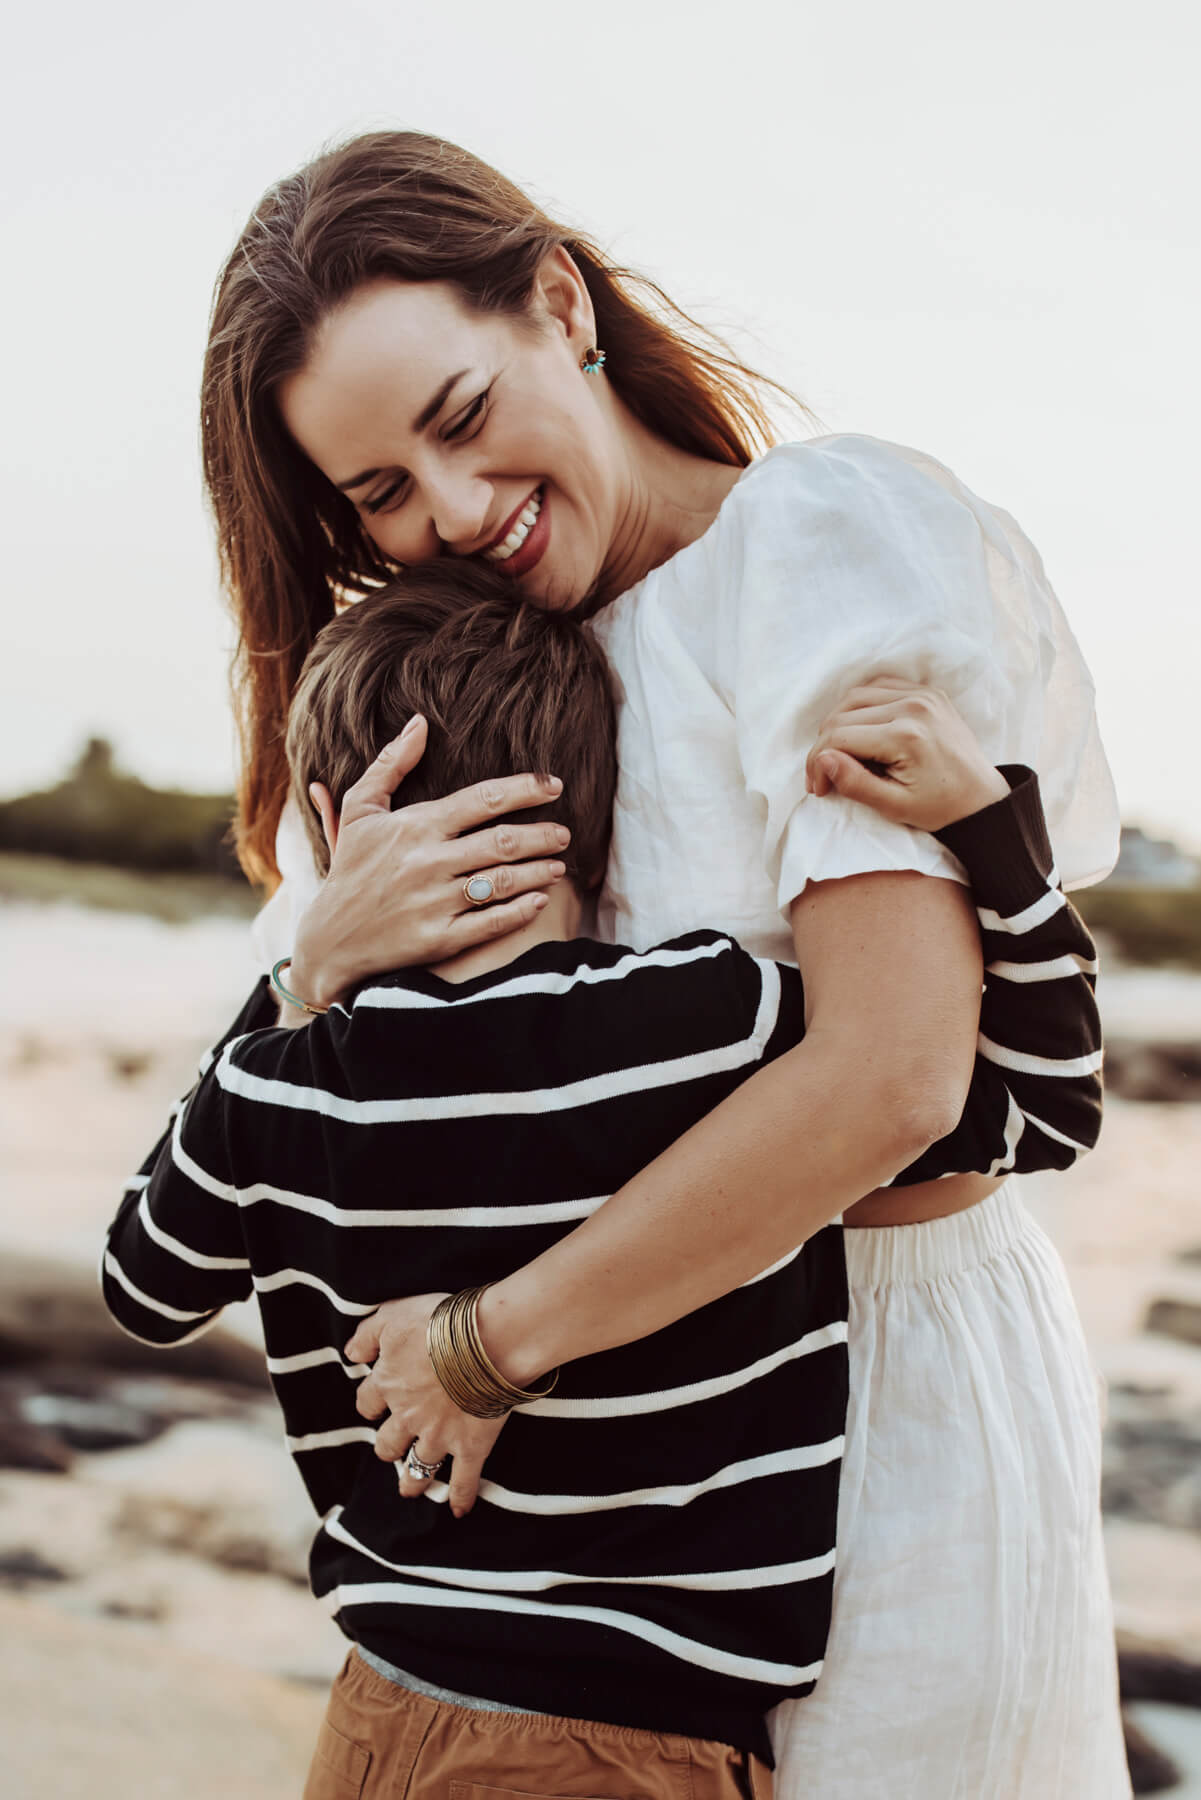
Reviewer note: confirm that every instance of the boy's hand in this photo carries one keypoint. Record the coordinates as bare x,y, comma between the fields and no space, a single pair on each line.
403,1384
927,768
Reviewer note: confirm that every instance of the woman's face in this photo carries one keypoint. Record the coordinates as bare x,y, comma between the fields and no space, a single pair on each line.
461,433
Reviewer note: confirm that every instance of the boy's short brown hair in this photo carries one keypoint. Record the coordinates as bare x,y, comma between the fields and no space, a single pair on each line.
507,688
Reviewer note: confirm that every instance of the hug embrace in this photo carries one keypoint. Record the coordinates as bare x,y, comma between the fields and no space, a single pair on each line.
671,980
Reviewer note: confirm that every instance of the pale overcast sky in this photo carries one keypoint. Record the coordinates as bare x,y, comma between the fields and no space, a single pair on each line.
968,228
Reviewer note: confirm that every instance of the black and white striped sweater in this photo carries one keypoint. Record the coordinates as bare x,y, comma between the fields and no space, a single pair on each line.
653,1545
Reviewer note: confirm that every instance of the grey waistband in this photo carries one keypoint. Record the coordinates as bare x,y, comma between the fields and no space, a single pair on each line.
403,1679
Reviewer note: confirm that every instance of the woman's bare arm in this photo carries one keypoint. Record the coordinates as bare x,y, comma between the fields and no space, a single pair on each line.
892,984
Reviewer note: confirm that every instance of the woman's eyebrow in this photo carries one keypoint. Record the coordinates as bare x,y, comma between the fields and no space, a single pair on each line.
425,417
430,413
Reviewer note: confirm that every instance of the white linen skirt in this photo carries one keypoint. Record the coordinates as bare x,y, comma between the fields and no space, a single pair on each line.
971,1654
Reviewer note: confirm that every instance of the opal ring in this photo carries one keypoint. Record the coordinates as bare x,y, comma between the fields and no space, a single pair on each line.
479,890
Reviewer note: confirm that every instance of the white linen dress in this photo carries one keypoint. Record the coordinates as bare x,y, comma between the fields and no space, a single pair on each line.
971,1653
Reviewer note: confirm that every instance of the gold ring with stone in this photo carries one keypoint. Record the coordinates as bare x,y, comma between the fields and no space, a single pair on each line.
479,890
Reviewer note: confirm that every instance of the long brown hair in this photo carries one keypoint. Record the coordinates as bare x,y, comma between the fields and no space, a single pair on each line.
400,205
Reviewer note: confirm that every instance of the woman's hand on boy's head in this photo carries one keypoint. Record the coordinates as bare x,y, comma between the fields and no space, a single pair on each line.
403,1384
926,767
394,895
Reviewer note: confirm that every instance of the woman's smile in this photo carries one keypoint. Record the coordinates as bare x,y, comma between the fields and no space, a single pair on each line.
515,530
526,539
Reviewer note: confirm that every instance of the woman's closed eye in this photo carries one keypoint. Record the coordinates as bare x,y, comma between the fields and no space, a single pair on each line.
461,429
461,425
393,492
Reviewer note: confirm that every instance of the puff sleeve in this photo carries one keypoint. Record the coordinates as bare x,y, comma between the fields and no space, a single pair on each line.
859,558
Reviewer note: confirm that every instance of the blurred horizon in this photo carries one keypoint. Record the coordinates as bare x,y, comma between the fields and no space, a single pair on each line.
92,744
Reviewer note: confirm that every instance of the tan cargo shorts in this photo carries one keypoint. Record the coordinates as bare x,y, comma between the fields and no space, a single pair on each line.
379,1740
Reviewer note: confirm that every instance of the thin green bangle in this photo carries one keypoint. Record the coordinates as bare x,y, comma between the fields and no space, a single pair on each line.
285,962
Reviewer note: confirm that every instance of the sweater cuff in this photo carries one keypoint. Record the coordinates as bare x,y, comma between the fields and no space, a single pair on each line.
1004,847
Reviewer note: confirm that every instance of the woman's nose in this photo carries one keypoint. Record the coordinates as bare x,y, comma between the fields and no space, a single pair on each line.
459,509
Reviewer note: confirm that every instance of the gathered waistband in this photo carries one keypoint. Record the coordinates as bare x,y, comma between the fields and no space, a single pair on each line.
880,1254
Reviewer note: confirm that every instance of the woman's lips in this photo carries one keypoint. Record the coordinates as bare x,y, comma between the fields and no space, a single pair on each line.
538,537
515,529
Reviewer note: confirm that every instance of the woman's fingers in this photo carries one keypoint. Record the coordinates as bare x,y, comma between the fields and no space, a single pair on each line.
482,924
880,688
511,880
327,812
363,1344
374,789
411,1484
882,741
888,713
465,1481
507,843
393,1438
369,1401
847,776
489,800
885,742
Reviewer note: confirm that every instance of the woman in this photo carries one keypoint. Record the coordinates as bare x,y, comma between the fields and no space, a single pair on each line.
405,362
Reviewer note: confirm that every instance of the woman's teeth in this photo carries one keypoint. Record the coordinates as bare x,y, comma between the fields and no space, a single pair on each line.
512,544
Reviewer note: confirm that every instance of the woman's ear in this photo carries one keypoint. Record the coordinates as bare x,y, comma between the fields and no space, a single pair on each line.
323,805
560,294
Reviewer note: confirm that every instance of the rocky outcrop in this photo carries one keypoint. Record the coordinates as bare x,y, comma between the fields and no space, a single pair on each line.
1152,1458
52,1311
1149,1669
1141,1069
1175,1316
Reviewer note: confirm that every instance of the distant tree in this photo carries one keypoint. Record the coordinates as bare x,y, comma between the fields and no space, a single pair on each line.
100,814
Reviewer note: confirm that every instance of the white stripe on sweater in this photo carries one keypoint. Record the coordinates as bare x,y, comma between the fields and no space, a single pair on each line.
1042,909
549,1212
1059,1137
1022,1063
331,1440
113,1268
754,1468
270,1284
533,1581
1015,1125
1056,968
312,1359
399,998
704,1656
637,1079
165,1241
768,1010
626,1406
187,1165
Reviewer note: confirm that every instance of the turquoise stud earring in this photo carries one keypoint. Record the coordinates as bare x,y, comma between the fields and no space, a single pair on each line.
592,361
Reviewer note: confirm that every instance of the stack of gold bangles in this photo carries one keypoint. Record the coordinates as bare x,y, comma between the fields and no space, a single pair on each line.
467,1373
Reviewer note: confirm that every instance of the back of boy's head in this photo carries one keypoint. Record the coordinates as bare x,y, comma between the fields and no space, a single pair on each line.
507,688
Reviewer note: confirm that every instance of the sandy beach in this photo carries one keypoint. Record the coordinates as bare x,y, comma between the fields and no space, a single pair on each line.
166,1577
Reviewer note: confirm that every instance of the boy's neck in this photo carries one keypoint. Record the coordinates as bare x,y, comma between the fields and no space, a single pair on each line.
560,920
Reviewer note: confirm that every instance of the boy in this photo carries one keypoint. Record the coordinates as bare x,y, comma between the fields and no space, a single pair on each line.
649,1567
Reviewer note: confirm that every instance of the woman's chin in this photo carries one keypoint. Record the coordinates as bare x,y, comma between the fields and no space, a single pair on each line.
550,592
